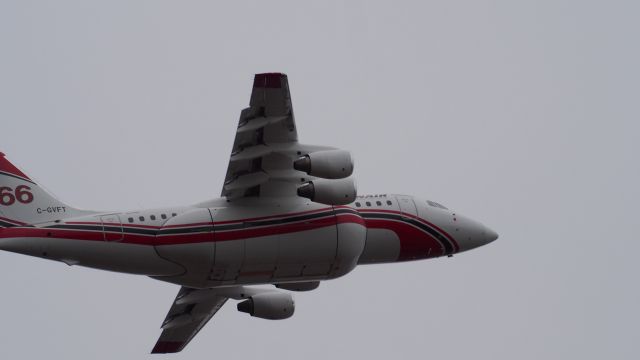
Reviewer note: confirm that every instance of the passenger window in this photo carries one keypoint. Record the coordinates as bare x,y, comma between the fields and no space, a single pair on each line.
163,216
358,204
388,202
153,217
174,214
378,203
368,203
141,218
130,219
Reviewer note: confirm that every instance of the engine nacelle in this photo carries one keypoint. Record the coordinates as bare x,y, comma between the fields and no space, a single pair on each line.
327,164
271,306
329,192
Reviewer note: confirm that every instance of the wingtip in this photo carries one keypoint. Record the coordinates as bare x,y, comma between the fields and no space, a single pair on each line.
166,347
269,80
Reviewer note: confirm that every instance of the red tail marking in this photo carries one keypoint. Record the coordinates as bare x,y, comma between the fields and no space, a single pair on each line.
8,167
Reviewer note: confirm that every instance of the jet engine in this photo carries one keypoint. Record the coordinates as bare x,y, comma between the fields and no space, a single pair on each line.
327,164
270,305
329,192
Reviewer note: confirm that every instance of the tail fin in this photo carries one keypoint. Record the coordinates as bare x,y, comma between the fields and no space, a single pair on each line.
23,202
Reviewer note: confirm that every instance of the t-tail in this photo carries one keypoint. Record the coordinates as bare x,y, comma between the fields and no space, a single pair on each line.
24,202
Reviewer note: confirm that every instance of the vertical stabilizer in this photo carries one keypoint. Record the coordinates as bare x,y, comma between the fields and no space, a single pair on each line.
22,201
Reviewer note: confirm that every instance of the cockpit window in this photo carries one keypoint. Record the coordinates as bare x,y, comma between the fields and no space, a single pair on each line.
435,204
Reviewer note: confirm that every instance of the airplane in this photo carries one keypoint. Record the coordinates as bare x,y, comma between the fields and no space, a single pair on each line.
289,215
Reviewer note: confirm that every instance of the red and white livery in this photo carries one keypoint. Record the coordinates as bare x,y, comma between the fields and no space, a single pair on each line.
288,216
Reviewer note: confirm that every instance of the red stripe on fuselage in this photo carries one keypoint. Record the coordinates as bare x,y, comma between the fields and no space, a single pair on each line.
15,222
226,222
275,230
32,232
272,217
153,227
350,219
453,241
414,243
174,239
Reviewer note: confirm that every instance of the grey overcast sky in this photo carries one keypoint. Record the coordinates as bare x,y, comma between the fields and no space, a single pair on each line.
521,114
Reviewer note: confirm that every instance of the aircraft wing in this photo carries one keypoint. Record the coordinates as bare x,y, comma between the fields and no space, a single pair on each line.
184,321
266,144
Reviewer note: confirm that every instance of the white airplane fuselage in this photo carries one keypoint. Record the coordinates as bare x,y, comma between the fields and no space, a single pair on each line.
217,243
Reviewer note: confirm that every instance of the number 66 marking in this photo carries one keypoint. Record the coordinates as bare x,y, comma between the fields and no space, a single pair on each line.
22,194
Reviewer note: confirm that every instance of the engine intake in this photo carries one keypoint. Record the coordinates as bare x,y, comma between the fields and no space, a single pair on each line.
271,306
327,164
329,192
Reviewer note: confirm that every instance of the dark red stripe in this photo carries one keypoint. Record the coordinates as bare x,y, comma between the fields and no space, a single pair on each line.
274,230
414,243
272,216
21,232
226,222
191,224
170,239
453,241
16,222
116,224
178,239
350,219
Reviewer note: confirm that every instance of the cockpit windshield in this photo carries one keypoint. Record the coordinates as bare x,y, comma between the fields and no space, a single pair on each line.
435,204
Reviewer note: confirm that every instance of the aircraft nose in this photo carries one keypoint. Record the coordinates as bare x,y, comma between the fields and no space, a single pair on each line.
472,234
489,235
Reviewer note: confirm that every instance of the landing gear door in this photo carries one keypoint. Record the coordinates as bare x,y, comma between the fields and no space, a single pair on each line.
111,227
407,206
